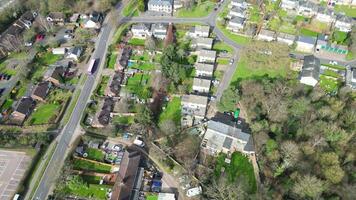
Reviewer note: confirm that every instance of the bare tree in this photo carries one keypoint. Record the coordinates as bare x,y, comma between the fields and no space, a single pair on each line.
218,190
168,127
309,187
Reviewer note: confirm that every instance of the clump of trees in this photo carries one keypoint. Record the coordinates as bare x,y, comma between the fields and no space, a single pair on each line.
304,139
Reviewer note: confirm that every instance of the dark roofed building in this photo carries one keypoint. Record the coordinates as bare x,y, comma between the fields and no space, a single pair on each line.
127,176
55,75
310,71
56,18
41,91
23,110
104,115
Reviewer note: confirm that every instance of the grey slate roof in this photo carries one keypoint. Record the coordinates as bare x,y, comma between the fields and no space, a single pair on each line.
161,2
25,105
228,130
308,40
238,20
311,67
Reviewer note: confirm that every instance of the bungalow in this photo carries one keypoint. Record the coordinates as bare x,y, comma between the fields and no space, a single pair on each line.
201,85
227,138
140,31
289,4
286,38
203,43
55,75
93,21
194,105
343,23
41,91
199,31
204,70
238,3
307,8
325,15
22,110
159,31
236,24
237,12
165,6
56,18
310,71
207,56
74,53
59,51
266,35
306,44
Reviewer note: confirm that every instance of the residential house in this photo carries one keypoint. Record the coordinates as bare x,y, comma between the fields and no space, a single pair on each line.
286,38
55,75
56,18
203,43
22,110
59,50
237,12
266,35
201,85
204,70
226,138
41,91
310,71
140,31
306,44
177,5
165,6
289,4
129,177
207,56
307,8
342,2
93,21
194,105
159,31
199,31
236,24
343,23
351,77
238,3
325,15
74,53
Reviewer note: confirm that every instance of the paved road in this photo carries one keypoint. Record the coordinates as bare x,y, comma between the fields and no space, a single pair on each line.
65,137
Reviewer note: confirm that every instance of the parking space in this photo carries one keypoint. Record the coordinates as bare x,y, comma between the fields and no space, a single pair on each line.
13,165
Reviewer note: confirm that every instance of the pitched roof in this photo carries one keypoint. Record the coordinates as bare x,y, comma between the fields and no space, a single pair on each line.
201,28
56,72
207,41
238,20
56,15
41,89
204,67
306,39
207,53
199,82
25,105
311,67
161,2
195,99
227,130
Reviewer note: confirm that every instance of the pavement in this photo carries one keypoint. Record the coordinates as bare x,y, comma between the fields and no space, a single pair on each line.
13,166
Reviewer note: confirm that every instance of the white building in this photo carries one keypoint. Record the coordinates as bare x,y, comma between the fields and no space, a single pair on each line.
201,85
289,4
307,8
325,15
165,6
310,71
199,31
74,53
194,105
306,44
204,70
207,56
266,35
140,31
159,31
238,3
203,43
237,12
236,24
59,51
286,38
343,23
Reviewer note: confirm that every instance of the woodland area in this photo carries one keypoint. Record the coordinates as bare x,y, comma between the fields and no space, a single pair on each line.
304,139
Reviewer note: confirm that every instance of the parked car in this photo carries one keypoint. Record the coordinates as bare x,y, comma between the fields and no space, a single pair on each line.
333,62
232,61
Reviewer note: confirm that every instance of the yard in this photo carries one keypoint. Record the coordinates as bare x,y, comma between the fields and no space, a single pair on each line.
172,111
44,113
200,10
221,46
131,9
136,42
7,104
152,197
239,169
329,85
123,120
340,37
223,61
349,11
83,189
111,60
79,164
239,39
145,66
102,86
143,57
307,32
139,85
95,154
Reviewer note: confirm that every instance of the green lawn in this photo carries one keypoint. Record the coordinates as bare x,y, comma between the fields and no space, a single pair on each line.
307,32
136,42
119,33
172,111
300,18
91,179
152,197
20,92
244,70
221,46
145,66
130,9
255,14
95,154
349,11
200,10
350,56
331,73
92,191
339,67
45,113
111,61
7,104
239,168
340,37
223,61
328,85
239,39
139,85
123,119
218,74
79,164
47,58
144,57
102,86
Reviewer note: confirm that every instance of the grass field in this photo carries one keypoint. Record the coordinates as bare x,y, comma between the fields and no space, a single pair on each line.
136,42
239,39
91,179
200,10
239,168
152,197
145,66
130,9
79,164
172,111
307,32
111,61
102,85
7,104
221,46
144,57
92,191
349,11
123,119
44,113
139,85
119,33
340,37
47,58
95,154
223,61
328,85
